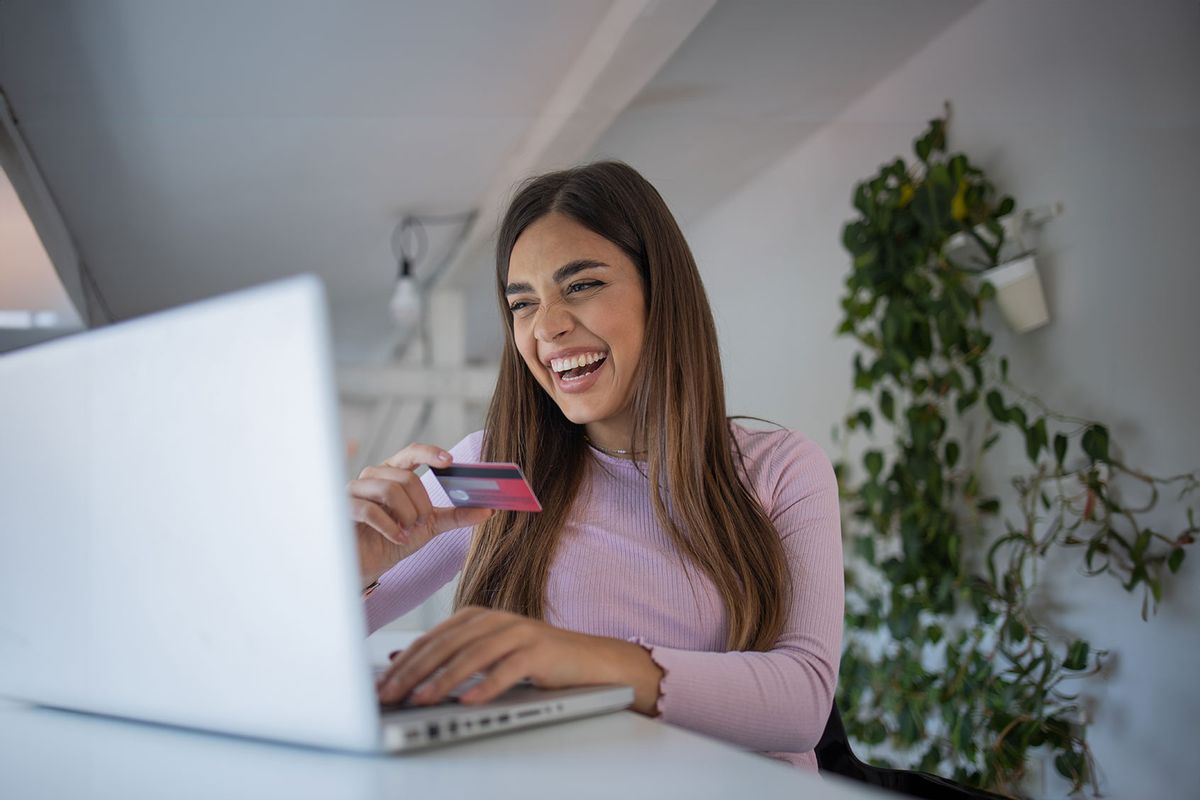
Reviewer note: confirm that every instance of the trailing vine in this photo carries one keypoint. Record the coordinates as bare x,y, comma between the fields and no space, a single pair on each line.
947,664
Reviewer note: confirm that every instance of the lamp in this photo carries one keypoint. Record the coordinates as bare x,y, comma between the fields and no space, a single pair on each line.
405,304
410,245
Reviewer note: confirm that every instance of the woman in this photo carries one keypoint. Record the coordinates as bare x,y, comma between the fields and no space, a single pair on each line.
717,598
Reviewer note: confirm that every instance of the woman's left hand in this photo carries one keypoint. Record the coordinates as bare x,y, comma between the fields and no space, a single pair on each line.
509,648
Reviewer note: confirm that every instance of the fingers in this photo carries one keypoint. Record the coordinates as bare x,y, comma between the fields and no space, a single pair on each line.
503,675
476,656
376,518
398,491
421,659
448,519
436,649
415,455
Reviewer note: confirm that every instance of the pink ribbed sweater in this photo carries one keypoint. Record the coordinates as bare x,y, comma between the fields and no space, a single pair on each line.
616,574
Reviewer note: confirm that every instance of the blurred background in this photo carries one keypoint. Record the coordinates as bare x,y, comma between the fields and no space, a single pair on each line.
157,153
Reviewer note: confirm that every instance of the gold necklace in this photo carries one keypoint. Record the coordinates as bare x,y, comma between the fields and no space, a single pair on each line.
612,452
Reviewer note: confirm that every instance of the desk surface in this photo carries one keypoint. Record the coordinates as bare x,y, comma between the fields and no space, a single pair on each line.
56,754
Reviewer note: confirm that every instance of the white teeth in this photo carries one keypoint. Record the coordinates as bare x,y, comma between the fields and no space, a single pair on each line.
564,364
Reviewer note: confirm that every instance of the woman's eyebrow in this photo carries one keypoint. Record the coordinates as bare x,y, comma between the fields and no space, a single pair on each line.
561,274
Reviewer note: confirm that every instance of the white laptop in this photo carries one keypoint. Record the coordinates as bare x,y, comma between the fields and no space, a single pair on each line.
175,543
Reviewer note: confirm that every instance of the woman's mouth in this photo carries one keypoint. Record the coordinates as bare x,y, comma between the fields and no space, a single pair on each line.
577,373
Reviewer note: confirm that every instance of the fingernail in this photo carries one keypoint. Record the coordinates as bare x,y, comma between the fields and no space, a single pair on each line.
393,654
443,456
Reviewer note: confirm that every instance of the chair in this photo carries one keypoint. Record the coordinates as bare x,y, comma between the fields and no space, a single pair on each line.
834,755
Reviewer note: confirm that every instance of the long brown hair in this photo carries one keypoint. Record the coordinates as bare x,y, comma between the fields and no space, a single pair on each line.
705,505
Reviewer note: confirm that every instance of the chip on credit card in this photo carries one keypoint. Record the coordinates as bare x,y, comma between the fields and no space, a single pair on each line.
492,485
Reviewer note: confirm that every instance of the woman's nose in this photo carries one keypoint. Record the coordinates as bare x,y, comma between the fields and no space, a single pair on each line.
553,321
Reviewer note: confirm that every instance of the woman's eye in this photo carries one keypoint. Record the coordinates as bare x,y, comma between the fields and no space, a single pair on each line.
580,286
517,306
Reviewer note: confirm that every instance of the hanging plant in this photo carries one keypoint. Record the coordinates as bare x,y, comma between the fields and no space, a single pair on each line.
946,664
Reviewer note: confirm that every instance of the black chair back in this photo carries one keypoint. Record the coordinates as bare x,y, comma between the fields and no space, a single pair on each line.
834,755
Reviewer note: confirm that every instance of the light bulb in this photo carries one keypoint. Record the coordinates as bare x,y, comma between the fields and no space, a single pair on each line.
406,302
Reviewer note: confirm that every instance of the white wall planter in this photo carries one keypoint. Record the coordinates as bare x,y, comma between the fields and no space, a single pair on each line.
1017,282
1019,293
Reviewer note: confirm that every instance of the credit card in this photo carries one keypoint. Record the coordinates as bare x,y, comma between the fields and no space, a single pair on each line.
492,485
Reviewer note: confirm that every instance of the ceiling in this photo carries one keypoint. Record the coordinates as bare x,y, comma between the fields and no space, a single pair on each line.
196,148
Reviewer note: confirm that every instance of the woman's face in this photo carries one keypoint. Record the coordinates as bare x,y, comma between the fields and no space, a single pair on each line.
579,316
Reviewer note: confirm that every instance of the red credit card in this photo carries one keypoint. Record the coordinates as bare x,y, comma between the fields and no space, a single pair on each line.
493,485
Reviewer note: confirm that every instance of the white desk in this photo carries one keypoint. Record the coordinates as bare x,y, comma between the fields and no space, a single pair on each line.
55,754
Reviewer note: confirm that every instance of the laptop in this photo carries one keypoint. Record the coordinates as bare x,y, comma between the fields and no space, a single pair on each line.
175,541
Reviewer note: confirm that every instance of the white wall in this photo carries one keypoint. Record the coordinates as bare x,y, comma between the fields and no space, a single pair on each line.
1094,104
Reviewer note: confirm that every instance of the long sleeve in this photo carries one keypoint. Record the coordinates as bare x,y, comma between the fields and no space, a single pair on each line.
416,578
776,701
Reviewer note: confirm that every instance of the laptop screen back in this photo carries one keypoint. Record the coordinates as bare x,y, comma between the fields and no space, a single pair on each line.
174,542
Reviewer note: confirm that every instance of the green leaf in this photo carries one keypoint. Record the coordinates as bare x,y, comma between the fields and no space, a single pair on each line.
862,378
864,417
1071,765
1031,445
873,461
988,506
951,453
932,758
865,546
1095,443
1077,655
874,732
902,621
966,400
964,734
1060,448
1035,438
1057,730
1142,543
887,405
1175,559
1003,369
995,404
922,148
910,731
866,258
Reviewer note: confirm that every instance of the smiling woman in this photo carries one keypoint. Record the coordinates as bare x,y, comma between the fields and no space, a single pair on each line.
578,319
687,556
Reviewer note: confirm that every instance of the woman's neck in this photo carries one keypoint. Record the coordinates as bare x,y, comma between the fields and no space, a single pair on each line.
614,437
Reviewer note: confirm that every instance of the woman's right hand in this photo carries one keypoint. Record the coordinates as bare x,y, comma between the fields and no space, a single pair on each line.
393,516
